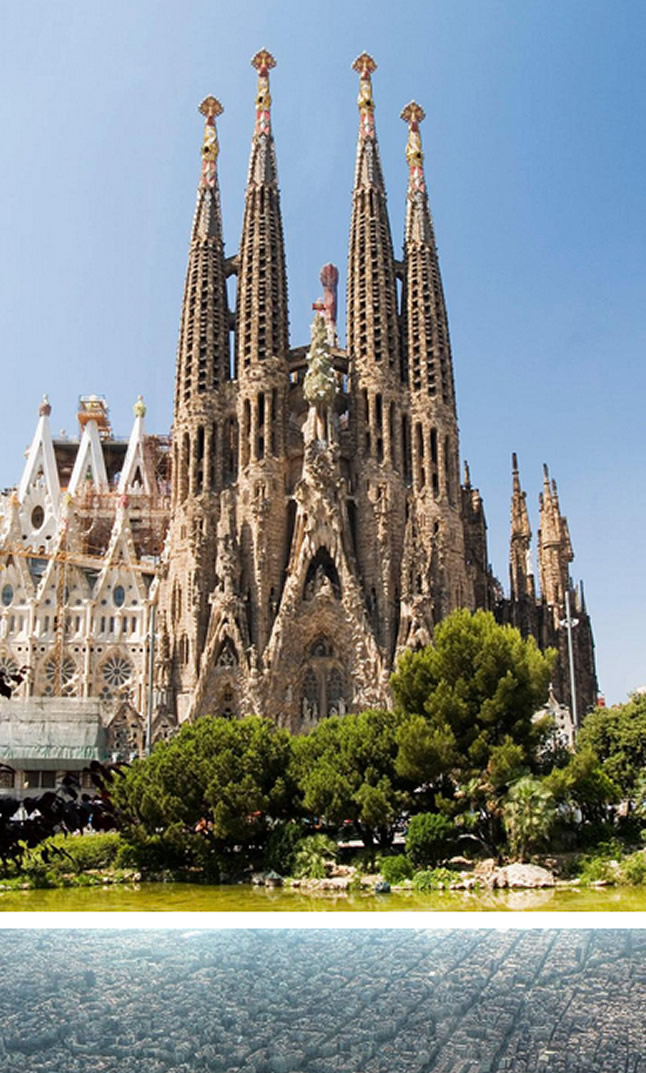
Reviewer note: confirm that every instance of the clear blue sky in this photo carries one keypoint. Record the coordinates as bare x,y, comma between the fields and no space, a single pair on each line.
535,155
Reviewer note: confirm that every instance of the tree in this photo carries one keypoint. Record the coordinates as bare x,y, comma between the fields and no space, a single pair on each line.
529,813
618,738
428,838
469,700
224,780
584,784
345,768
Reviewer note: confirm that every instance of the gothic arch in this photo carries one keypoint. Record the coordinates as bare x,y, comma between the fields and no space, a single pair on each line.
321,567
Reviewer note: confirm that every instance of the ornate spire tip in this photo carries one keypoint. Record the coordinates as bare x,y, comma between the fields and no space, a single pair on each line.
413,113
139,408
210,106
45,409
364,65
263,61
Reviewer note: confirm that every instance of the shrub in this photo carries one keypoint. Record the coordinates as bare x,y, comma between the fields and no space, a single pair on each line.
396,869
313,856
433,879
633,869
282,848
428,838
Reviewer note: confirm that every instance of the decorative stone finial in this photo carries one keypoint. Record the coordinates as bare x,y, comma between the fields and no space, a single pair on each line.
319,385
413,114
210,107
139,408
263,61
364,65
45,409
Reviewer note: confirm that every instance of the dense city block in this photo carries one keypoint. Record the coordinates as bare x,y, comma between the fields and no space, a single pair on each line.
339,1001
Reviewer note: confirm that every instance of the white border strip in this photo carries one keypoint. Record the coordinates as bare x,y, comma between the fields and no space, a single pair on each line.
320,919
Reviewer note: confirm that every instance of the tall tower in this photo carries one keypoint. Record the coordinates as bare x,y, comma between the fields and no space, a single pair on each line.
202,460
379,422
435,578
263,375
521,570
554,547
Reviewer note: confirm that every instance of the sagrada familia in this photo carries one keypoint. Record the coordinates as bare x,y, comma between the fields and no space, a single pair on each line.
306,521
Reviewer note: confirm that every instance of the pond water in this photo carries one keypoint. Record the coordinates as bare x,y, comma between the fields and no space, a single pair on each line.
162,897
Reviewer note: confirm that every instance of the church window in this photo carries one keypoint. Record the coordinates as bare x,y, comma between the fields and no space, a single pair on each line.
67,676
335,700
406,452
7,595
7,779
37,517
119,595
260,444
8,666
116,671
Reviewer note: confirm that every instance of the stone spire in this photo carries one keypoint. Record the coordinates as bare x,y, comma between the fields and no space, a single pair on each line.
261,315
521,571
372,321
554,545
430,367
203,351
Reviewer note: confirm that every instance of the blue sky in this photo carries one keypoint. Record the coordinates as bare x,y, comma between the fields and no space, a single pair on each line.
535,158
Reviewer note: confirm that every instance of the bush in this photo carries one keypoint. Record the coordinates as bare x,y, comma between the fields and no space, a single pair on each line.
313,856
633,869
64,854
396,869
433,879
282,848
428,838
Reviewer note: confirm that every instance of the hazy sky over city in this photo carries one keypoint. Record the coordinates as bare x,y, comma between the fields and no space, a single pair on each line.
535,160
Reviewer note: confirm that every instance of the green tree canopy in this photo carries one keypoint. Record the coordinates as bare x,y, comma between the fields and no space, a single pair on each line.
225,777
618,737
345,768
477,688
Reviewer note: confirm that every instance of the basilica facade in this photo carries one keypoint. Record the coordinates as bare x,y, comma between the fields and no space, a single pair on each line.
307,519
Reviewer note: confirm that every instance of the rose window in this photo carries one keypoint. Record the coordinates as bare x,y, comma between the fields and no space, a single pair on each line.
117,670
68,673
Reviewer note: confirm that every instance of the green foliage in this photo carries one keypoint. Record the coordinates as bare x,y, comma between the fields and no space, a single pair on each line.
477,685
345,768
428,838
469,700
618,738
584,784
396,869
67,854
433,879
313,856
282,847
529,814
632,869
222,780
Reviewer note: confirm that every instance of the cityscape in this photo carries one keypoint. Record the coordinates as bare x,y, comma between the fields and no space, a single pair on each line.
329,1001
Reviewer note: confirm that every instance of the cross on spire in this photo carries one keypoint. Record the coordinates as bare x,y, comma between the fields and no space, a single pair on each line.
413,114
364,65
263,61
210,107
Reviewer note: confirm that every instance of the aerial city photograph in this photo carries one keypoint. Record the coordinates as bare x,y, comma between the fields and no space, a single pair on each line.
290,1001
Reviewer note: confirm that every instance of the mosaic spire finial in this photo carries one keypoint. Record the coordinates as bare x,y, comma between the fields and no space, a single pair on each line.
364,65
263,61
210,107
413,114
